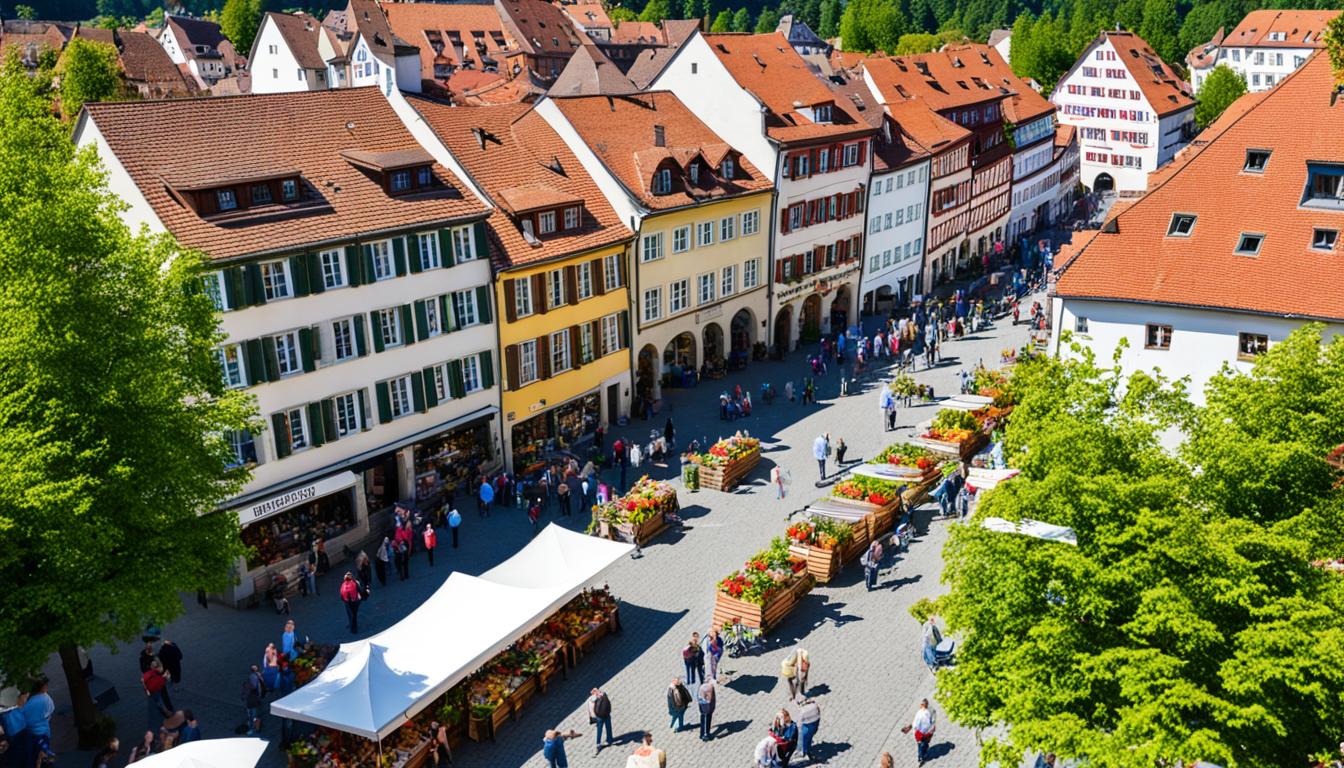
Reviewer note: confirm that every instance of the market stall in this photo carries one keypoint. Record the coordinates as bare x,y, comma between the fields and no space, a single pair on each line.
764,590
825,544
876,500
209,753
726,463
639,515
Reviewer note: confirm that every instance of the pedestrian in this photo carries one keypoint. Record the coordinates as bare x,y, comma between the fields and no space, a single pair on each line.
253,690
599,714
171,658
401,558
678,700
777,480
142,750
1047,760
289,641
804,666
785,732
454,522
431,542
713,648
705,698
106,755
191,729
157,705
636,455
821,447
767,752
553,747
350,596
840,449
646,755
788,391
924,724
669,434
694,659
931,638
809,719
487,495
381,556
788,672
270,667
562,493
147,657
871,562
886,761
534,513
15,732
438,737
37,714
364,573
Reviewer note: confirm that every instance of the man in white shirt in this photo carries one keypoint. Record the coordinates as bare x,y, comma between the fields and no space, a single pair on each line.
924,724
820,447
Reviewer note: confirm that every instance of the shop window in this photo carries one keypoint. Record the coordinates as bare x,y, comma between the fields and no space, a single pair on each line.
450,461
1158,337
1251,345
291,533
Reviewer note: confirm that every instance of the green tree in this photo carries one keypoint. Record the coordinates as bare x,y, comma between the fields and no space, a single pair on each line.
1184,624
742,20
618,14
723,22
1202,23
1334,46
239,20
1160,28
25,12
1219,90
829,25
89,72
113,419
854,32
768,21
655,11
1022,54
690,9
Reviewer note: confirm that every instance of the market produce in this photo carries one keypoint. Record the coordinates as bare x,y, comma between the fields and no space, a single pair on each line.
726,451
646,499
764,574
906,455
863,488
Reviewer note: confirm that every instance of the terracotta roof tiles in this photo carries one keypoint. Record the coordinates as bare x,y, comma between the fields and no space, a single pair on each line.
145,61
300,32
457,28
1298,28
1163,90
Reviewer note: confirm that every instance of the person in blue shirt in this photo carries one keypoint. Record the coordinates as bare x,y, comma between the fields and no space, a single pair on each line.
553,747
37,715
15,728
191,730
288,640
487,496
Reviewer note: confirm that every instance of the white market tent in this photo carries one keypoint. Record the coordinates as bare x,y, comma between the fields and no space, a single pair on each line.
983,479
209,753
1033,528
375,685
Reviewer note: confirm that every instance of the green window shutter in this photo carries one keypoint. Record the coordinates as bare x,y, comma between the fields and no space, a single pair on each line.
446,247
253,293
306,353
367,261
270,358
422,320
407,330
449,314
233,287
413,252
328,408
280,426
256,361
399,255
316,427
298,274
418,391
354,266
376,329
361,340
483,303
487,369
384,402
456,384
362,399
431,396
316,283
478,235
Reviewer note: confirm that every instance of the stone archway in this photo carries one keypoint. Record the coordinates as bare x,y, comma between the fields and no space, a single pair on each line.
783,331
648,380
680,351
809,320
1103,183
713,345
840,309
741,337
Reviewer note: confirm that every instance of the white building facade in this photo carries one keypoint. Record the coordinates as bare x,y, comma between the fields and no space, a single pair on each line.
893,253
1035,176
1267,46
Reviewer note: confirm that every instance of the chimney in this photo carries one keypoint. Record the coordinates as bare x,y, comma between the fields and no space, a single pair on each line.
659,138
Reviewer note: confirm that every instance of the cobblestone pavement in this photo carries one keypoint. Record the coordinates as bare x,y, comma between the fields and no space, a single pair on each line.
866,676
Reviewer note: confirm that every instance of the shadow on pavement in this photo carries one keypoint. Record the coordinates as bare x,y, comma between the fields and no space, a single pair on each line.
729,728
826,750
750,685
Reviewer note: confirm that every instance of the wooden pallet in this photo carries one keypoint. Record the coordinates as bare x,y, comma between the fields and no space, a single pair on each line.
727,477
762,617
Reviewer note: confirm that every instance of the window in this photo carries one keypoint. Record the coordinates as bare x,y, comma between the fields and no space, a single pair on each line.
527,362
1236,55
875,263
347,413
1256,160
886,258
231,363
464,308
611,334
226,199
343,338
1327,186
571,218
727,168
822,114
662,182
695,173
823,160
886,221
401,181
462,250
1249,244
877,189
584,278
876,226
919,246
275,279
1181,225
704,233
706,288
546,222
429,251
851,154
900,217
750,274
556,282
1158,337
728,285
287,353
559,351
795,216
381,255
1250,345
727,228
333,269
1324,239
1080,325
424,177
522,297
1255,79
389,326
586,342
261,194
678,296
214,288
433,323
298,436
471,374
653,304
243,446
611,272
399,396
681,239
650,248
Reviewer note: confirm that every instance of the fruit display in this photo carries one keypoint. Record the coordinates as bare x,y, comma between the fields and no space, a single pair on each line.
913,457
992,384
646,499
821,532
764,574
952,426
583,614
868,489
311,662
727,450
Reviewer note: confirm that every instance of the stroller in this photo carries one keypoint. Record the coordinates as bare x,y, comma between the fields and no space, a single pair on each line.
941,651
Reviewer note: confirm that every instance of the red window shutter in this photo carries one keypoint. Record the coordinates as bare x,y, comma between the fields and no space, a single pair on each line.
863,148
784,220
798,264
779,271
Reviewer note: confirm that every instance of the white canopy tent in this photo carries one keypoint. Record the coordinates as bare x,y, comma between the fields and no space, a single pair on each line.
982,479
209,753
375,685
1033,528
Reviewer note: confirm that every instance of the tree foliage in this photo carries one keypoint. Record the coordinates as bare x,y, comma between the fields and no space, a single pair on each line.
829,23
25,12
741,20
723,22
1188,623
767,22
618,14
1334,46
89,72
240,19
113,408
1219,90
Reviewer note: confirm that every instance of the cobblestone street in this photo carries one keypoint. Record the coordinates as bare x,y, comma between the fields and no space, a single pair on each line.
866,674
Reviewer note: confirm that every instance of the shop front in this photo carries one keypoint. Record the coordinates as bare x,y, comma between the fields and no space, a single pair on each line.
449,464
554,430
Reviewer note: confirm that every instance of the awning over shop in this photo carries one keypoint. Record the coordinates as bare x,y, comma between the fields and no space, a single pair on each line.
273,505
373,686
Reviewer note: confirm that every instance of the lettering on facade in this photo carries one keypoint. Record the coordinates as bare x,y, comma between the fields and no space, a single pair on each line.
281,502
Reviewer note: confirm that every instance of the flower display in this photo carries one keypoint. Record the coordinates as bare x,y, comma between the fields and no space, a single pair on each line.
863,488
822,533
726,451
906,455
764,574
645,499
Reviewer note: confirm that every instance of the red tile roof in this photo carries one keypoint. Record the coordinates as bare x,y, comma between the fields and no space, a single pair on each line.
523,164
902,149
621,131
145,61
948,84
588,15
1138,262
1164,91
300,33
984,62
234,137
540,28
415,23
1302,29
925,126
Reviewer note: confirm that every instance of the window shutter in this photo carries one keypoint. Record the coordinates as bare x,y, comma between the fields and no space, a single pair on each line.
447,310
572,284
316,284
399,255
457,385
863,151
599,277
625,329
779,271
270,358
407,329
431,395
620,270
298,275
446,254
306,353
233,287
367,260
329,426
253,293
413,256
798,264
511,367
479,239
487,369
362,398
598,351
377,329
539,297
544,356
421,320
254,362
317,433
354,266
384,402
784,220
575,350
811,162
418,391
510,301
483,303
361,343
280,426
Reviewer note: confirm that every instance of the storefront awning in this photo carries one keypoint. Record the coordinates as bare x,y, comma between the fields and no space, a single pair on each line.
302,494
373,686
209,753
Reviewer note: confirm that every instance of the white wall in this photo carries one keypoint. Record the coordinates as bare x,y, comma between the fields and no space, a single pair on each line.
169,42
138,212
625,206
408,72
888,243
1277,63
273,66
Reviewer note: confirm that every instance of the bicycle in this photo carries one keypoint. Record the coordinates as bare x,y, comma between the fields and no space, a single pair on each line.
739,639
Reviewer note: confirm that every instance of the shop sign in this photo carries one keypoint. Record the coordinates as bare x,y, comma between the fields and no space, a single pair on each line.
708,314
300,495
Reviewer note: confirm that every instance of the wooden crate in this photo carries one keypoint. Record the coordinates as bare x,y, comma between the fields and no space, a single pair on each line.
762,617
822,564
646,532
521,695
727,477
484,729
857,545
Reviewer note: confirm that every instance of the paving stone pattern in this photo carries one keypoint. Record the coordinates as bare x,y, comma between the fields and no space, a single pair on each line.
867,675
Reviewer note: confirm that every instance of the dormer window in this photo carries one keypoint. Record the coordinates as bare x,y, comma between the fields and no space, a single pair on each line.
424,177
400,181
1256,159
821,113
546,222
1249,244
727,169
226,199
261,194
662,182
1181,225
1325,187
289,190
571,218
695,173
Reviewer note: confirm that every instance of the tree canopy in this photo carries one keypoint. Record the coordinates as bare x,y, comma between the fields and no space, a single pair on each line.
1219,90
89,72
240,19
1188,622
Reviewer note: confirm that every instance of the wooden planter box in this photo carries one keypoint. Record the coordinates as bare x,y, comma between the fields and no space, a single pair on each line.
582,642
483,729
521,695
727,477
762,617
876,521
552,666
857,545
822,564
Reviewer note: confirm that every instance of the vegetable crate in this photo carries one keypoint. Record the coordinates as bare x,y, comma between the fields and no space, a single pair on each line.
822,564
762,617
726,477
643,533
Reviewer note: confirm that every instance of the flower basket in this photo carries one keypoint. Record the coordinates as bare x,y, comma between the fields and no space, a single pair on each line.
639,515
822,564
727,462
764,590
820,542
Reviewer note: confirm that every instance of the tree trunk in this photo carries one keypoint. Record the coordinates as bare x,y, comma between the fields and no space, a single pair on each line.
86,713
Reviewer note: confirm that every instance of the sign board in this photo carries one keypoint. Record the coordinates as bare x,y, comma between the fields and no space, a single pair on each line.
301,495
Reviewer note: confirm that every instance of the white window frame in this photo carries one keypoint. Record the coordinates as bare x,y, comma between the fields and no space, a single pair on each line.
751,223
572,217
399,396
238,364
587,353
464,245
678,296
555,288
706,287
380,253
681,239
214,288
704,233
727,168
728,281
583,278
727,228
348,324
653,304
275,280
751,273
464,307
611,334
430,258
611,271
851,154
522,297
433,322
650,248
300,443
345,407
528,370
561,359
471,374
662,182
226,200
389,320
333,269
289,360
546,222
